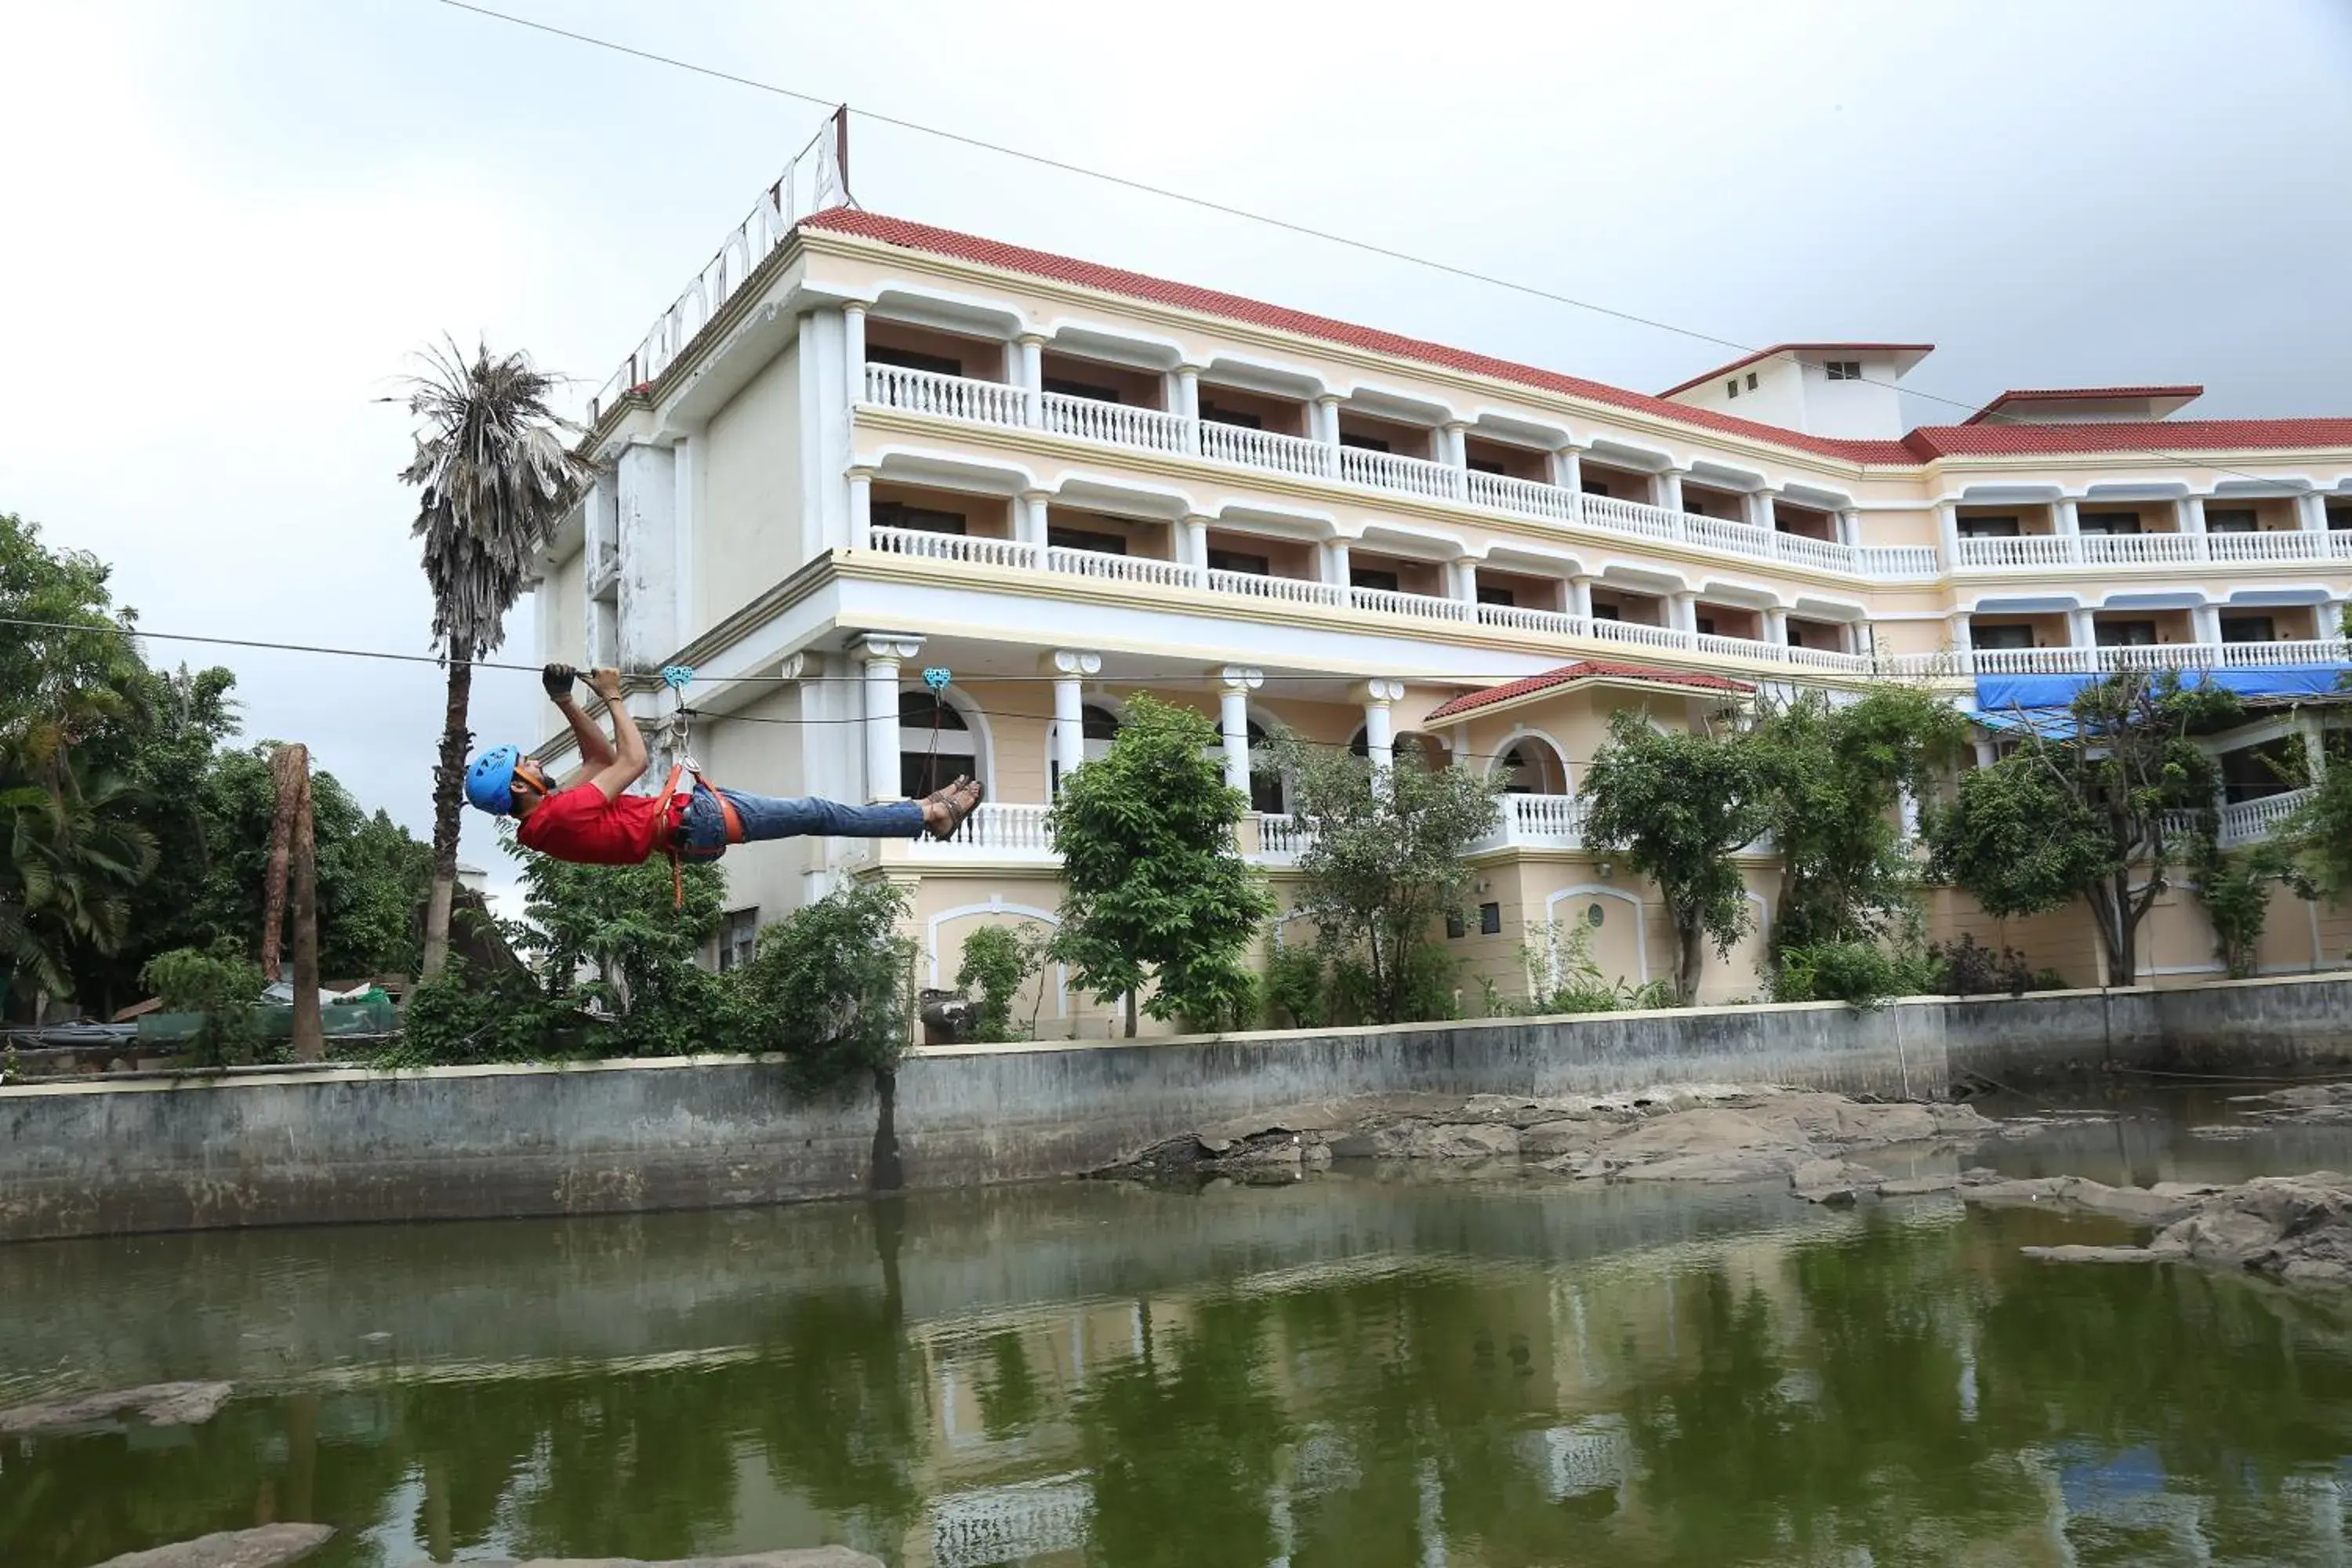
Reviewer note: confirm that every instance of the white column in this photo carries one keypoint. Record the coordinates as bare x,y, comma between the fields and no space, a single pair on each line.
1194,545
883,653
601,521
1334,562
2189,516
2081,630
1379,735
1029,519
1760,510
1029,373
1683,612
1453,451
1670,489
1849,525
1959,623
1948,532
2069,524
1325,424
1236,682
1986,756
861,508
1568,469
2205,623
1462,580
1579,597
2310,727
1071,668
1187,405
647,489
2310,512
1907,812
853,349
1776,628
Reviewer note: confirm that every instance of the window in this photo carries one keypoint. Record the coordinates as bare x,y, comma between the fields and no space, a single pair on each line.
1484,465
1842,369
1496,596
1988,528
739,936
934,744
2231,519
908,359
1362,443
2000,638
1751,380
1731,387
1607,612
1705,625
2108,522
1529,767
1086,539
1269,795
1212,414
1593,486
1086,389
1373,578
1234,561
2249,629
2125,634
1490,919
919,519
1455,926
2340,518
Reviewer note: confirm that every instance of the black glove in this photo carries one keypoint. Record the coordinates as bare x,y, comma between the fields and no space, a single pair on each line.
558,680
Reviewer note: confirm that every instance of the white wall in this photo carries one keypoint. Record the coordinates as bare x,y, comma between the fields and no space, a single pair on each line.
748,529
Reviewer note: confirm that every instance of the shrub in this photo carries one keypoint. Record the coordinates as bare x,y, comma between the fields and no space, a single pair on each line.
457,1016
2234,886
998,960
1965,969
1297,992
1562,978
222,984
830,988
1860,973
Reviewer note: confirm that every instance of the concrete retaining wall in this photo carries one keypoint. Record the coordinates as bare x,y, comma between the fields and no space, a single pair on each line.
342,1146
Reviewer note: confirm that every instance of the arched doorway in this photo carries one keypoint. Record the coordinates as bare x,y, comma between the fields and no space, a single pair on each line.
1097,728
1529,765
935,745
1269,792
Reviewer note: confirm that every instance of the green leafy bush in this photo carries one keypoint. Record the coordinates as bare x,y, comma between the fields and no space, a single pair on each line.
1966,968
2234,886
1861,973
1562,977
458,1018
222,984
830,988
1298,991
998,960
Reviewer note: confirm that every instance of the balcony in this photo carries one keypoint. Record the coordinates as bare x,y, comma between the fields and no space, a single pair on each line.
2033,550
2110,661
996,831
1013,555
1387,473
1536,822
2246,821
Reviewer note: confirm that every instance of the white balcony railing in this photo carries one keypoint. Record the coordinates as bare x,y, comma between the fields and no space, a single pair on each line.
2024,550
2245,822
1121,568
2037,550
1282,838
999,830
1147,429
965,549
1424,606
2109,660
1542,821
1283,590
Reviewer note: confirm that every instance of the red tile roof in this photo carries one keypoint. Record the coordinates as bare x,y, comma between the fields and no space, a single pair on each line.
1583,669
2077,394
1747,359
1923,445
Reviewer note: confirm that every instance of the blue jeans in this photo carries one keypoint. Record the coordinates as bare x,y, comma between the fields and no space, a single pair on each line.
769,816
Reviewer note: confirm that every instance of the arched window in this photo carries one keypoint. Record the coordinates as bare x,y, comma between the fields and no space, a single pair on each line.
1097,728
935,745
1360,744
1269,791
1530,766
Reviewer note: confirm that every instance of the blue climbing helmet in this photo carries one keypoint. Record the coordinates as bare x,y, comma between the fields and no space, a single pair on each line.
489,782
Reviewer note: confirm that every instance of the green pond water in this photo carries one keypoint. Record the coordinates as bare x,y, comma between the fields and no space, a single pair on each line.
1366,1368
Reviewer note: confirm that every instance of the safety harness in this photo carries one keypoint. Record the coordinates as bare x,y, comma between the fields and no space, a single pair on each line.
678,794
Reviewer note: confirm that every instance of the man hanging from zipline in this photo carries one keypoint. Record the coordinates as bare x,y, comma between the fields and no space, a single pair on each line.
591,819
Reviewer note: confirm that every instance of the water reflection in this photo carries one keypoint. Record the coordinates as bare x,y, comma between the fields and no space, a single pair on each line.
1345,1372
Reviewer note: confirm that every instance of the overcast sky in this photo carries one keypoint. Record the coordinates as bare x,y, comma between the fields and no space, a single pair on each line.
224,227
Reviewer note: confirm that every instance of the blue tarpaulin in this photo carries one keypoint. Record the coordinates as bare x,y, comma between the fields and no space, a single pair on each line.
2040,703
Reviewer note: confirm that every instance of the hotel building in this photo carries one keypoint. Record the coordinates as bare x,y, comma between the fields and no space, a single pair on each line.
859,448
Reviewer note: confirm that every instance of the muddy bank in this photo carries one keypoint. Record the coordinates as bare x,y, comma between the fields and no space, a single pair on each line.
156,1404
1710,1133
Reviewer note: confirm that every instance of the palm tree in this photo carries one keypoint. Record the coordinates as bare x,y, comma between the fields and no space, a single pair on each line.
496,475
73,856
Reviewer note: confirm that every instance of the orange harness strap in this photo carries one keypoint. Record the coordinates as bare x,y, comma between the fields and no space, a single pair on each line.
674,801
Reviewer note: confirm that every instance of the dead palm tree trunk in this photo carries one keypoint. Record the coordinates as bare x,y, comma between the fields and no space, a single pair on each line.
448,813
310,1036
288,767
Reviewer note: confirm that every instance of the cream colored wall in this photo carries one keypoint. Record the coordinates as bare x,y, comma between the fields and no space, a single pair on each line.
1285,557
748,532
1136,388
562,601
757,757
1145,539
984,517
1019,713
982,359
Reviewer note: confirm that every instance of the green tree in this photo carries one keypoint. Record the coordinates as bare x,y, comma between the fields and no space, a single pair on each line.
998,960
2082,813
494,476
73,857
1679,804
830,988
65,661
1383,867
1833,775
622,926
1155,888
2317,839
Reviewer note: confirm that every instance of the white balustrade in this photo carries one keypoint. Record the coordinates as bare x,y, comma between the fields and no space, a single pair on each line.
1632,517
969,550
1528,496
2024,550
2109,660
948,396
1121,568
1634,633
1091,419
1551,622
999,828
1264,449
1731,538
1423,605
2120,548
1749,650
1408,475
2291,545
2241,822
1828,554
1826,659
1556,819
1898,562
1281,838
1283,590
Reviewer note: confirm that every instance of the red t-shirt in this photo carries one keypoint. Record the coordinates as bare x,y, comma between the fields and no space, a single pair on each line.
581,825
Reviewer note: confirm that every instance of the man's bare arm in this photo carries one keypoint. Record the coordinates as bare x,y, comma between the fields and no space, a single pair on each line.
595,752
628,763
